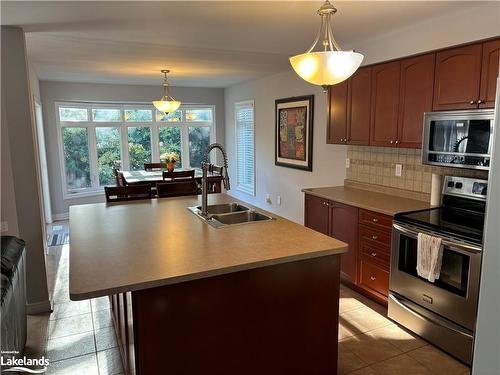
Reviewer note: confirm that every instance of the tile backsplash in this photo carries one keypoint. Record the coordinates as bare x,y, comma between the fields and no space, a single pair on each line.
377,165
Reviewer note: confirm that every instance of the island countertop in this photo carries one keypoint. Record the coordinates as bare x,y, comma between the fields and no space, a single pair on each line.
136,245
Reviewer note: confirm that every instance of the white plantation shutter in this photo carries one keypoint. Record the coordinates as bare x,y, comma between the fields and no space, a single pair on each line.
245,147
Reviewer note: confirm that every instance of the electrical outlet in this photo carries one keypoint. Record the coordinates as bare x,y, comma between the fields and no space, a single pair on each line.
399,169
268,199
347,162
5,226
278,200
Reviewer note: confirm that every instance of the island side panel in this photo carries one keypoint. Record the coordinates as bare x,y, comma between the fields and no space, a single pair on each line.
280,319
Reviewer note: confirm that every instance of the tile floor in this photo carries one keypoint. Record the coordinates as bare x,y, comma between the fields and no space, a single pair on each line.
78,337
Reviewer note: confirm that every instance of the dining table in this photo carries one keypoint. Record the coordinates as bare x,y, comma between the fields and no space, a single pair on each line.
153,177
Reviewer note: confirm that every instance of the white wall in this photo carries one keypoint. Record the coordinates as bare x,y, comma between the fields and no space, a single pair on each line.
476,23
56,91
487,342
328,160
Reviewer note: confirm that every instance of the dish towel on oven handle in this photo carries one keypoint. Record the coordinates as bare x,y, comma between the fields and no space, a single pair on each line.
429,256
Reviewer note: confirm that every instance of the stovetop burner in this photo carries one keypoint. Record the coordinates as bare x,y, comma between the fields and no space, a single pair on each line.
466,225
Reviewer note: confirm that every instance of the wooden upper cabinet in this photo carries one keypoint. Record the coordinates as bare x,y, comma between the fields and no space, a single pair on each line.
457,78
359,103
489,73
385,103
337,116
317,214
416,89
344,227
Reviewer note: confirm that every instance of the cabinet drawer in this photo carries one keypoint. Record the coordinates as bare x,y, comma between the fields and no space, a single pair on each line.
374,278
380,221
375,253
378,237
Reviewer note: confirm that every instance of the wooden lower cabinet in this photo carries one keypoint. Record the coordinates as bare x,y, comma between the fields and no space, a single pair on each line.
365,267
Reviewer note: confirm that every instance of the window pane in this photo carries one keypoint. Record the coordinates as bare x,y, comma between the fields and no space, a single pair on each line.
175,116
138,115
199,114
139,147
199,139
170,141
76,158
245,147
73,114
108,154
106,114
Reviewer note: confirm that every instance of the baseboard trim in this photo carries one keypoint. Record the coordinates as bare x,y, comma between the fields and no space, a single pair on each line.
39,307
59,217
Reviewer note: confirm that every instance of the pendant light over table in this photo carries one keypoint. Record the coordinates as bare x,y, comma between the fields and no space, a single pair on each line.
167,104
330,66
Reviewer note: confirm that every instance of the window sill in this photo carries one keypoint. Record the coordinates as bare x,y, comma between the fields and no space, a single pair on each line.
84,194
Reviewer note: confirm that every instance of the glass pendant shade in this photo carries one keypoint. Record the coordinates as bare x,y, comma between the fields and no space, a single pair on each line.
166,104
330,66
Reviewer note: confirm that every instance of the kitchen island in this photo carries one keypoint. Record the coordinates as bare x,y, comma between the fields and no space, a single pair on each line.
192,299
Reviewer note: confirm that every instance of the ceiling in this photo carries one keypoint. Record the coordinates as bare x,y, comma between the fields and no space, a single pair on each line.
204,43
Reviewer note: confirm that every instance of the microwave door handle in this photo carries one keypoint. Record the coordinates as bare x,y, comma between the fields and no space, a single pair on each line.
459,246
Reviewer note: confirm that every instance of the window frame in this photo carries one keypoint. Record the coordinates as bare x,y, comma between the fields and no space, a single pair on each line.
239,186
123,126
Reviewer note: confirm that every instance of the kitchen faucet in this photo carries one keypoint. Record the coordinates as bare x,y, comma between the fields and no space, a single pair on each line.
205,167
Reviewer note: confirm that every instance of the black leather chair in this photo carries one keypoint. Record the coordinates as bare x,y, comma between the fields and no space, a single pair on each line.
13,303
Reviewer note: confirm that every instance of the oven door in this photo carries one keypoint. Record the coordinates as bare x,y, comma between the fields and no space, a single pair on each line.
454,295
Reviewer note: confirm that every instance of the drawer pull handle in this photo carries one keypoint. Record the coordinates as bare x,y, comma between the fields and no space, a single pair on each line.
374,254
375,220
373,278
374,237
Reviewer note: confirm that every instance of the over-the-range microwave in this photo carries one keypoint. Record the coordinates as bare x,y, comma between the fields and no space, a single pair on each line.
458,138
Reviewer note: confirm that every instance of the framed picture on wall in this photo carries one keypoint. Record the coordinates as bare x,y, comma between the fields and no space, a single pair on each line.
294,132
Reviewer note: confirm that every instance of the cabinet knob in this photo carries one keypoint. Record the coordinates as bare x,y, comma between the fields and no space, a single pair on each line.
397,142
374,254
392,142
480,101
374,237
373,278
375,220
472,102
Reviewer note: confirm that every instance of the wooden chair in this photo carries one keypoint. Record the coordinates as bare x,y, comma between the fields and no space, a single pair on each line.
178,174
155,166
119,179
177,189
127,193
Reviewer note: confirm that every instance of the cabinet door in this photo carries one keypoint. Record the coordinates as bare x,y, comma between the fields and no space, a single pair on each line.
344,227
417,83
337,116
316,214
385,102
358,122
456,83
489,73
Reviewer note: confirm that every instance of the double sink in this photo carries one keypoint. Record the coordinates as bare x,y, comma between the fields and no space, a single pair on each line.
223,215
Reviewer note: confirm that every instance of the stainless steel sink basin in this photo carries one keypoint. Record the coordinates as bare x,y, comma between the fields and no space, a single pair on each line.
240,217
224,208
223,215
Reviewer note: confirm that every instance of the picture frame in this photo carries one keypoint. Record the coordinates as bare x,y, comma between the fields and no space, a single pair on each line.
294,132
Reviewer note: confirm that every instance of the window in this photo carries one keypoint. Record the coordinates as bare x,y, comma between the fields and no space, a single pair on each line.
245,149
97,137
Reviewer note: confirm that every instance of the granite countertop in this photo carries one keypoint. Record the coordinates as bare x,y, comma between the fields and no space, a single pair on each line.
368,200
129,246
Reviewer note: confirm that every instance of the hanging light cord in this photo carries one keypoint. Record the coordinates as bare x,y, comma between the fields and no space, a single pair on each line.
166,95
329,42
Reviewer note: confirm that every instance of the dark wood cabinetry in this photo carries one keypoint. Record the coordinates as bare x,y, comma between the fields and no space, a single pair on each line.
415,98
384,104
343,225
489,73
317,214
349,110
365,267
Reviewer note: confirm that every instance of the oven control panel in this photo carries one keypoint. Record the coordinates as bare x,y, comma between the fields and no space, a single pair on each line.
465,187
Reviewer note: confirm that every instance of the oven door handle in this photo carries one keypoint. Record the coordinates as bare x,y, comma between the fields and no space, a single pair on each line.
439,322
456,245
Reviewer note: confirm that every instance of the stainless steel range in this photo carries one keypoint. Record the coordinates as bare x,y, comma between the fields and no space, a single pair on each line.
443,312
